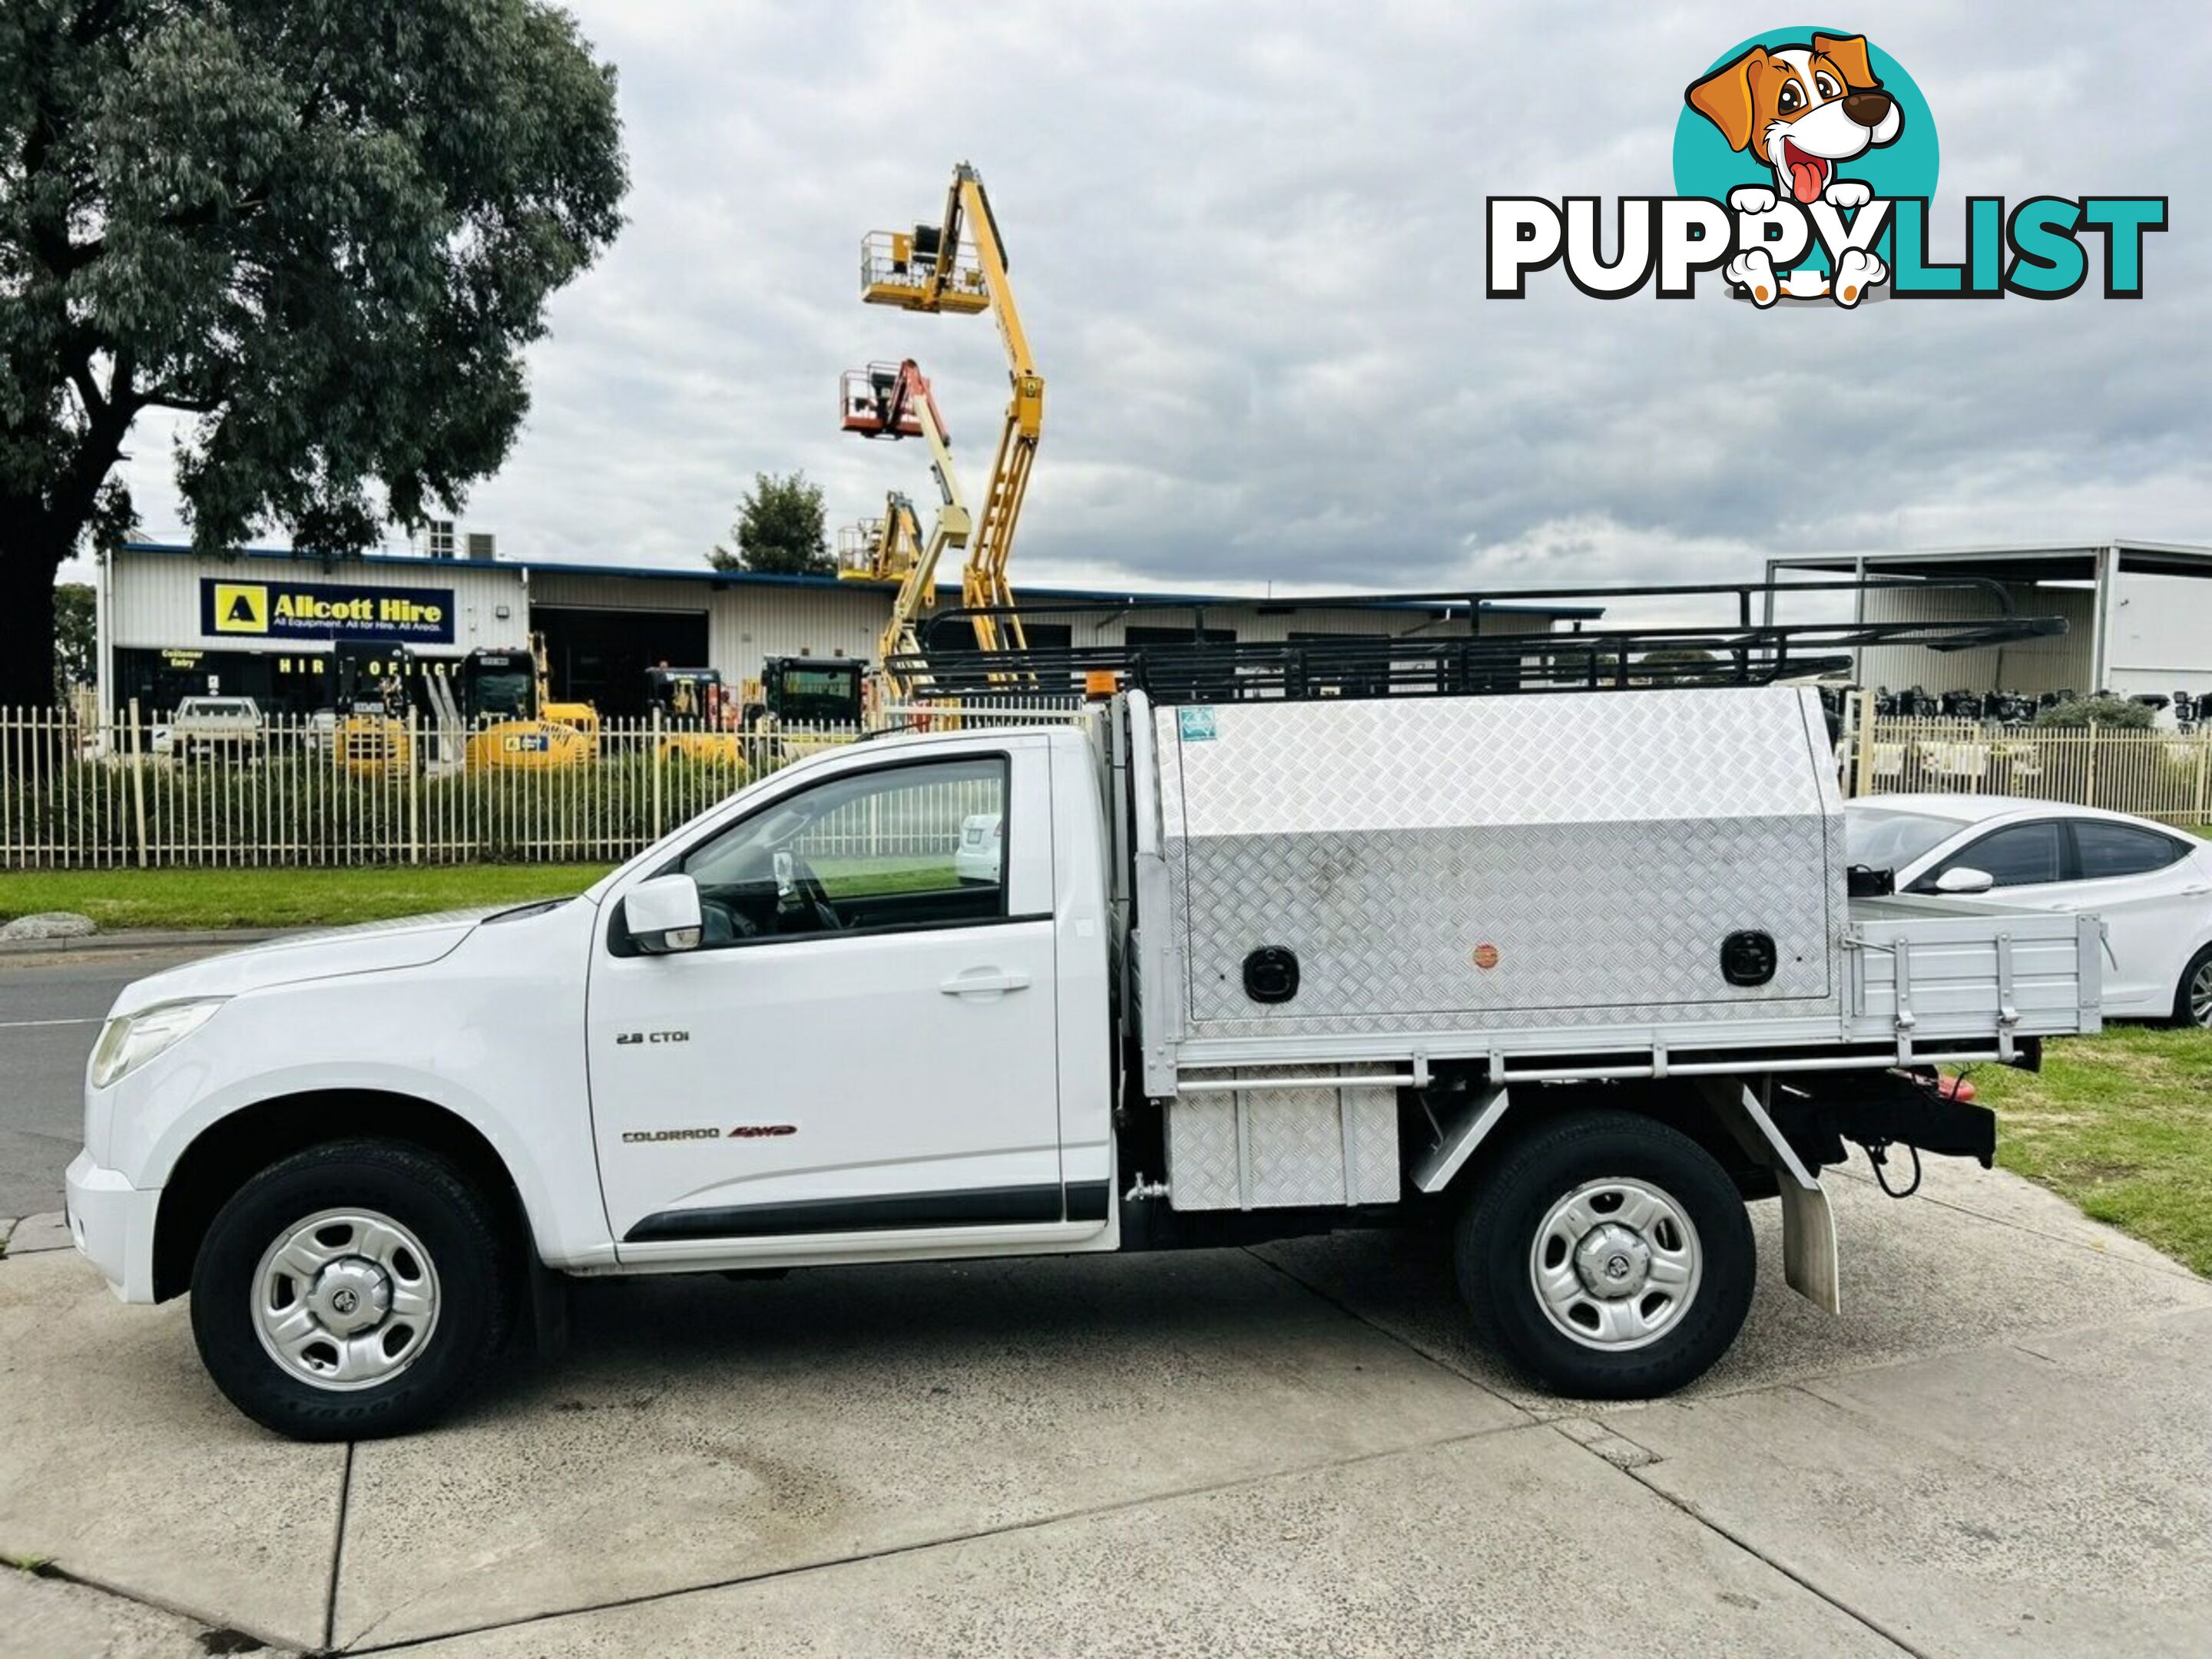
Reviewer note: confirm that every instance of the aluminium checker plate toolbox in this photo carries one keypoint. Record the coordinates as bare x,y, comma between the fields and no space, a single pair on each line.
1477,864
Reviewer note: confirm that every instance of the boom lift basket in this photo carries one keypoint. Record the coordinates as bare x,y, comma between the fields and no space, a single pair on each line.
895,267
868,403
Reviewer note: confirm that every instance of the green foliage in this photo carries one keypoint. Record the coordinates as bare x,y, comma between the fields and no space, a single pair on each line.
73,635
2119,712
326,227
780,528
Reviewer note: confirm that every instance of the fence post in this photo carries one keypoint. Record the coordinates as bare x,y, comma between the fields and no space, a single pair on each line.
1862,744
2203,751
414,788
657,762
137,783
2096,741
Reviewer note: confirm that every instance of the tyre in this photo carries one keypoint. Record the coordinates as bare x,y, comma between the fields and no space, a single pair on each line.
1608,1254
354,1290
2192,1000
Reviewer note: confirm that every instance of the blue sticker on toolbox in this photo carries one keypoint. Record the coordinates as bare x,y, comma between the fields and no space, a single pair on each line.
1196,724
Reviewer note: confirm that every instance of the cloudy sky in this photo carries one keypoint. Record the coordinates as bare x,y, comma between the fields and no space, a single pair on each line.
1247,241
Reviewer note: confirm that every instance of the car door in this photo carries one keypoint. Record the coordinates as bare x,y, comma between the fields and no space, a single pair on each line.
864,1045
2155,900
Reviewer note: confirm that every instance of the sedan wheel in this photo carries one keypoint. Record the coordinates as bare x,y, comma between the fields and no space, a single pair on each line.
2193,1005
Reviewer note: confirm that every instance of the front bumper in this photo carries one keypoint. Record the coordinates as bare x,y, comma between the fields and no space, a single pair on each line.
112,1223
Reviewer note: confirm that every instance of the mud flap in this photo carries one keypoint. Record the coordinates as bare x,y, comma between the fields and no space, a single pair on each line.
1809,1262
1810,1259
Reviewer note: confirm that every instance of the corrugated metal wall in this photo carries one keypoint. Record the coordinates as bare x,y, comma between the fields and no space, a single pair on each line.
2159,636
2029,665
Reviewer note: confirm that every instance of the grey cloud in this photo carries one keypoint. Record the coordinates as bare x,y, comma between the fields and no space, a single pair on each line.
1248,242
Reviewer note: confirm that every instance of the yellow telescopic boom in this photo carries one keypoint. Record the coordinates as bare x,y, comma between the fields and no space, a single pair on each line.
961,265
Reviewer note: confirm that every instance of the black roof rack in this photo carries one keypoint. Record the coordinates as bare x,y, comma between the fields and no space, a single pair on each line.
1748,649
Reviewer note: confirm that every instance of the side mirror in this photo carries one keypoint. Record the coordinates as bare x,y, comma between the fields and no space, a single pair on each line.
1962,879
662,914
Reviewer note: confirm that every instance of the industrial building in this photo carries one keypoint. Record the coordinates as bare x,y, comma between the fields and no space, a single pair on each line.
262,623
2139,616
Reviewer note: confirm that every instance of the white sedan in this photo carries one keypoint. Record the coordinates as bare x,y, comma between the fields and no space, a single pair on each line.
2152,885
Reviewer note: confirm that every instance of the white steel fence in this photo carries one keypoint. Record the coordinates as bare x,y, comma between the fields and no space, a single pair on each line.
147,791
2155,774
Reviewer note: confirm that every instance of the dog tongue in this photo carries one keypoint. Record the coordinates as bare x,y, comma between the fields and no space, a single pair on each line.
1805,176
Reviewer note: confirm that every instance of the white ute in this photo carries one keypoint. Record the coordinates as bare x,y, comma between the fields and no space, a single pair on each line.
1582,972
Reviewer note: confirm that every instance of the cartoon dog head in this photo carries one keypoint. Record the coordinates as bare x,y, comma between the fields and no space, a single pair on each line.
1801,109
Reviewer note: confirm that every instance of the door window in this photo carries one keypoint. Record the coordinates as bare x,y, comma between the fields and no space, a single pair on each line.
905,847
2121,849
2020,856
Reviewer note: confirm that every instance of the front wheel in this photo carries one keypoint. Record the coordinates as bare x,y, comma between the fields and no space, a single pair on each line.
1609,1254
354,1290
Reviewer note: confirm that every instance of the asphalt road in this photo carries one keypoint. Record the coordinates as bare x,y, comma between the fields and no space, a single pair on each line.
50,1006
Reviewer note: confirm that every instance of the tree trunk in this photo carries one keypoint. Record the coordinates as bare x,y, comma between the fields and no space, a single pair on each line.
30,554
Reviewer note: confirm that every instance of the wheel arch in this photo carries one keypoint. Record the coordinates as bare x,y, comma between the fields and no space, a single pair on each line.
1680,1103
236,1147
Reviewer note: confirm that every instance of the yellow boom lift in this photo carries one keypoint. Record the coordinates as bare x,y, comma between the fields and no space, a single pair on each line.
960,265
892,400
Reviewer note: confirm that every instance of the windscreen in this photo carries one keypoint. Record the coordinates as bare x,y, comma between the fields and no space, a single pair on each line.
1889,840
818,694
501,692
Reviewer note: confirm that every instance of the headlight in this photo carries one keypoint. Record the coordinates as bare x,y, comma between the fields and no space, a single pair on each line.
128,1042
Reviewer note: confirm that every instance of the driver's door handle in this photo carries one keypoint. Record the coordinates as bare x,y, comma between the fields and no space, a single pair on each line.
983,981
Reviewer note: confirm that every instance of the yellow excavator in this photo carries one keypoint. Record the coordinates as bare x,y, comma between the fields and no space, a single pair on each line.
893,400
960,265
511,722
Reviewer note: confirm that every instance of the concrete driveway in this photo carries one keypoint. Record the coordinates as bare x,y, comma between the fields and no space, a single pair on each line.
2003,1448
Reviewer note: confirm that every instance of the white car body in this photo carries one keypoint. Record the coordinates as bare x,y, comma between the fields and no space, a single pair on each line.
2158,922
517,1023
211,727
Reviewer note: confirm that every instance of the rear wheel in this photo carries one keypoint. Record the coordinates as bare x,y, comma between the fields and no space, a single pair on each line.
2192,1002
1608,1255
355,1290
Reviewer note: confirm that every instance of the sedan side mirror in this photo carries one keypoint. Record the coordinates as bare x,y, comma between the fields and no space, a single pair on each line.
662,914
1962,879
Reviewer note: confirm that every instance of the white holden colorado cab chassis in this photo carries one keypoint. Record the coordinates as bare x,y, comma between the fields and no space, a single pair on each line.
1582,974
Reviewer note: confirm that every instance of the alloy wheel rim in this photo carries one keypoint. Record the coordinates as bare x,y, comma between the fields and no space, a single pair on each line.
345,1299
2200,995
1615,1264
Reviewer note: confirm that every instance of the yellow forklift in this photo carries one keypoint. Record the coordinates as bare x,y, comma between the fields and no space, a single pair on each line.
367,719
699,717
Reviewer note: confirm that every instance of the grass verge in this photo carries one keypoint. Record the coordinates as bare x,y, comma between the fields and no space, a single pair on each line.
282,898
2121,1124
